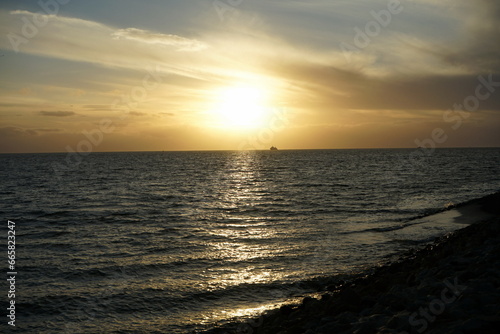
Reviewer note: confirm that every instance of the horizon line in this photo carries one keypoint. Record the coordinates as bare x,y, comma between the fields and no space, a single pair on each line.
284,149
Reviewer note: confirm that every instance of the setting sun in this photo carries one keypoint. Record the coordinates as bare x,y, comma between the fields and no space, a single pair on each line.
240,107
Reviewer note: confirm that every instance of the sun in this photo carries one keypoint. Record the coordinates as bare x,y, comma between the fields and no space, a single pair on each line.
240,107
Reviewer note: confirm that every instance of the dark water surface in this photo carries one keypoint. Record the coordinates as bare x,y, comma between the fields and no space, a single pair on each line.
170,242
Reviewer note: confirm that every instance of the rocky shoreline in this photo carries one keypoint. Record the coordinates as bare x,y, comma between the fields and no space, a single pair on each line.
450,286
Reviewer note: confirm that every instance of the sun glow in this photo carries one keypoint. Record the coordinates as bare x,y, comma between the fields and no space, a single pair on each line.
242,107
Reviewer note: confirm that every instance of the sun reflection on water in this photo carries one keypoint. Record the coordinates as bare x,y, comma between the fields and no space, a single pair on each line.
239,237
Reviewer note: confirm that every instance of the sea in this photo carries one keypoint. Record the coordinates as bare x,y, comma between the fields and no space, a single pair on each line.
179,242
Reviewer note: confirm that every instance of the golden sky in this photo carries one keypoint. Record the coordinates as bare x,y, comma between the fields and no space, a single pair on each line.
247,74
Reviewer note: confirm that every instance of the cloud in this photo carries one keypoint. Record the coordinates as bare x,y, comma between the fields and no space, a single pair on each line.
482,51
327,87
13,131
47,130
144,36
96,107
474,46
136,113
57,113
80,40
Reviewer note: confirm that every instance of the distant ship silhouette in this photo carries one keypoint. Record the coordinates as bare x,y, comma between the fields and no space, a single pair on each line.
273,148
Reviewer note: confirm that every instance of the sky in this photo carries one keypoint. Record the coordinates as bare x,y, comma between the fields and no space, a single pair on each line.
123,75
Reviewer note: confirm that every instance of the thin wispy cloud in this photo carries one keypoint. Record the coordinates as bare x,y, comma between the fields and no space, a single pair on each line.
57,113
143,36
136,113
48,130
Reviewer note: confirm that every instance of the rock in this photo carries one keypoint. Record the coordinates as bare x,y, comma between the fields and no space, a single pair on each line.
349,298
327,319
473,326
365,328
400,321
286,309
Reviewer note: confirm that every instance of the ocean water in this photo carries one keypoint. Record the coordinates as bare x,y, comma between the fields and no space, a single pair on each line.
175,242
